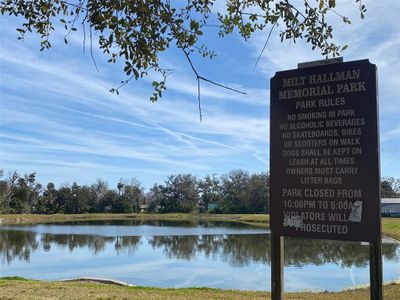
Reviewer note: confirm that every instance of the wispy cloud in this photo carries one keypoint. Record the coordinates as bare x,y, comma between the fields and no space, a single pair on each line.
58,118
72,114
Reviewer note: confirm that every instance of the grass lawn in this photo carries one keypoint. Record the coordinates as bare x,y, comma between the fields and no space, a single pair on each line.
16,288
391,227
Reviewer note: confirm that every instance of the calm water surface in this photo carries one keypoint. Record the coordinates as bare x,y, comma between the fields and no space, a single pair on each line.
183,254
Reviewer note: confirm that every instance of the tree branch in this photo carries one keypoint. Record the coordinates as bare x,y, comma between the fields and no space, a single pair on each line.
177,34
265,45
199,99
222,86
91,48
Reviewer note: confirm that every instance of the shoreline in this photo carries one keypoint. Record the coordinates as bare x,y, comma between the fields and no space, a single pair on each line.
21,288
123,283
253,219
390,226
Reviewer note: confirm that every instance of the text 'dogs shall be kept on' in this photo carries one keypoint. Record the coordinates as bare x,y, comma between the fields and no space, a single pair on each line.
324,152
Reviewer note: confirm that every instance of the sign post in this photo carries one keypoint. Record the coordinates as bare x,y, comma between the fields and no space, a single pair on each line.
375,269
324,160
277,263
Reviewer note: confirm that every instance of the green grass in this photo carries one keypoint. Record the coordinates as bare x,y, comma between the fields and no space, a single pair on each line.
15,278
35,290
259,219
391,227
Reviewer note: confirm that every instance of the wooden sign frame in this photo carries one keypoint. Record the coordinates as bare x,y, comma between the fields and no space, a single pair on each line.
337,101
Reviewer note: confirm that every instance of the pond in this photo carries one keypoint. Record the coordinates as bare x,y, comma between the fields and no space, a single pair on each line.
184,254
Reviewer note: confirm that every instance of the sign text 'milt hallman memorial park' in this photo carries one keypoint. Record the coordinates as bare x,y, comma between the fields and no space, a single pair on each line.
324,152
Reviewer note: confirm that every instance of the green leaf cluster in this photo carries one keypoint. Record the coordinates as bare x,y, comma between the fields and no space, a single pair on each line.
137,32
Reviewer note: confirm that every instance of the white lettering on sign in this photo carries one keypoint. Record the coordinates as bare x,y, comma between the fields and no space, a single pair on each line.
324,135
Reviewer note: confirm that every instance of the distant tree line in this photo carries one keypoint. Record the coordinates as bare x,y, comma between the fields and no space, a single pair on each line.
234,192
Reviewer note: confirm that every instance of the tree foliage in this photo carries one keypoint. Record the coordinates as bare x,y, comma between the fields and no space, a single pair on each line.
234,192
209,191
137,32
180,193
390,187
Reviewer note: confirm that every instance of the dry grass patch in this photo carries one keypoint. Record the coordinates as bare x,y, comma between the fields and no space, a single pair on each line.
35,290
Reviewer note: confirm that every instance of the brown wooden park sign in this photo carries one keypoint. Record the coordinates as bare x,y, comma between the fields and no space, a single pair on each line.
324,160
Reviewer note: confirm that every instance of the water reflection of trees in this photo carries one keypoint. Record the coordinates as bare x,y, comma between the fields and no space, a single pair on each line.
237,250
134,222
127,243
74,241
304,251
16,244
160,223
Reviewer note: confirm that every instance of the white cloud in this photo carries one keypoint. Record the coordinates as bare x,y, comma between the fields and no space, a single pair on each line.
55,106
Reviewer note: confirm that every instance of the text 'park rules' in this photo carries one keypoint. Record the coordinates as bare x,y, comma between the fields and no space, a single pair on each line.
324,152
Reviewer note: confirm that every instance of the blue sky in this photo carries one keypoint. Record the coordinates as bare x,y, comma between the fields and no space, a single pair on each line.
59,119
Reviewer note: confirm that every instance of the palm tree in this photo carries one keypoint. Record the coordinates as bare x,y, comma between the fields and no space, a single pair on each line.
120,186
